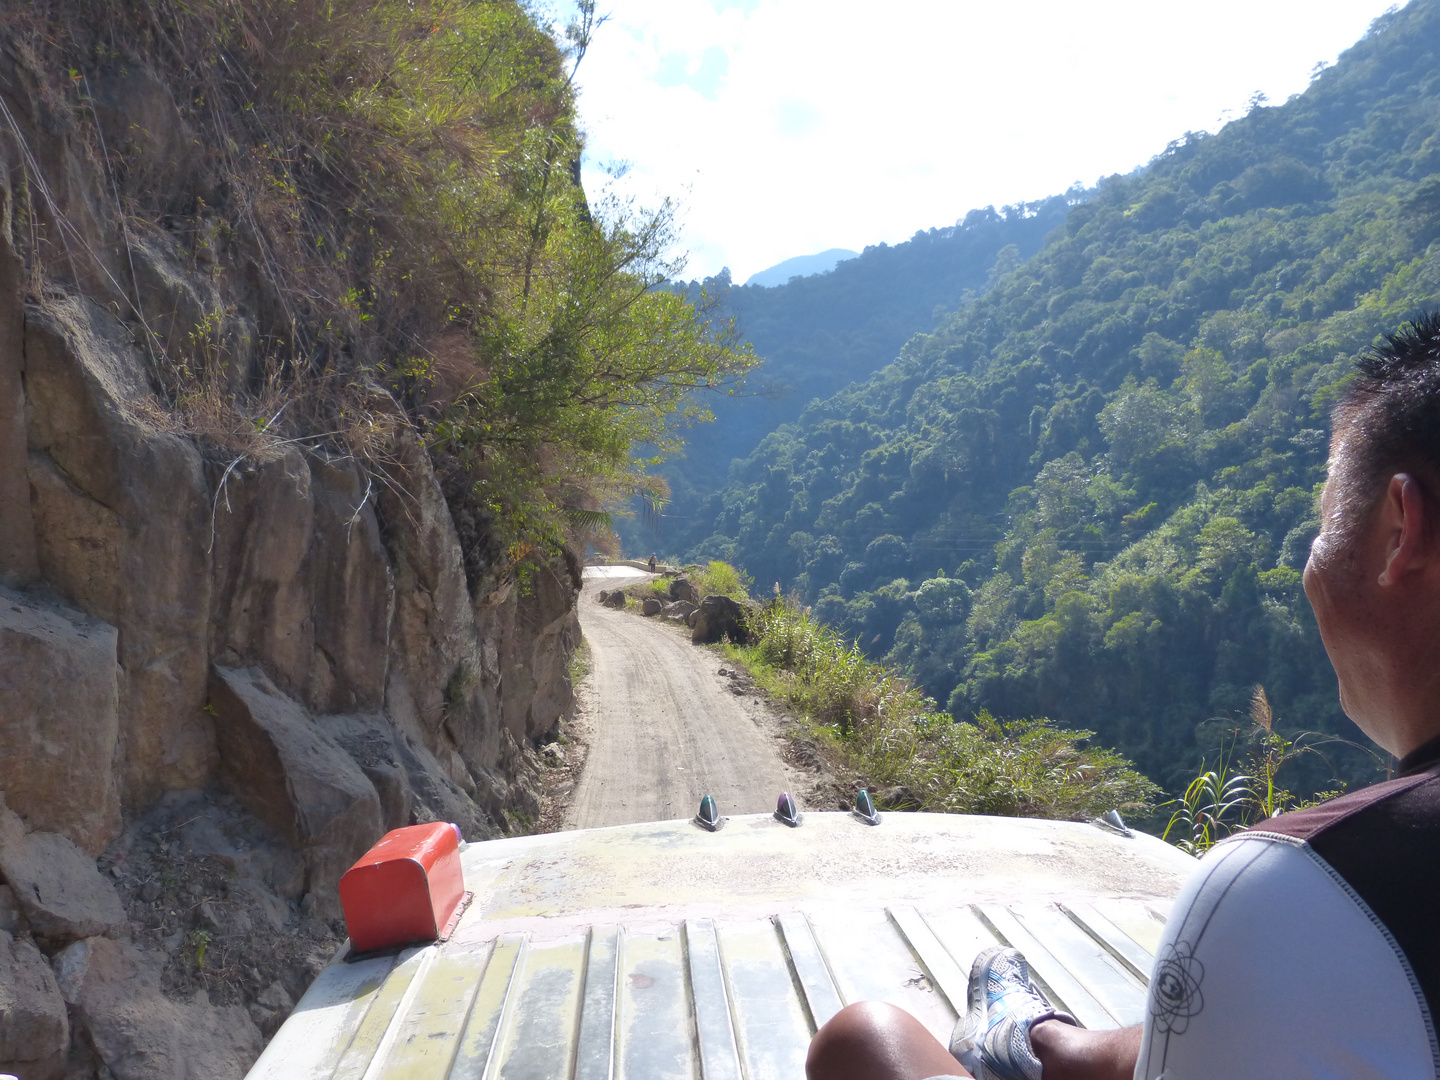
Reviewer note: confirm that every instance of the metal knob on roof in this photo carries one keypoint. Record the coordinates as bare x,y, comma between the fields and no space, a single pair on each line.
1111,821
865,808
785,811
708,816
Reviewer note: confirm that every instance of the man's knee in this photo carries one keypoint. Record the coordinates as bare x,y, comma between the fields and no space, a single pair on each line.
875,1040
863,1021
851,1036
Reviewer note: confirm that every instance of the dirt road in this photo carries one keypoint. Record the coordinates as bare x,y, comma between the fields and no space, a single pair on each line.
664,727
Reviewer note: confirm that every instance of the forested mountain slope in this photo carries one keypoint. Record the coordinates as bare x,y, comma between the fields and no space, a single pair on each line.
1089,494
821,332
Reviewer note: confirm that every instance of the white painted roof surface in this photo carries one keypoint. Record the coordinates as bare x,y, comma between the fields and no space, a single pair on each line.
656,951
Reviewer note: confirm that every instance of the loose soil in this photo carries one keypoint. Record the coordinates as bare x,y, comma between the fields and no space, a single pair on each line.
202,882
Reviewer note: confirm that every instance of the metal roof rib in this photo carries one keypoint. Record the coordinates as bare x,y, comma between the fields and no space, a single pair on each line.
944,972
595,1044
817,985
719,1055
1063,988
1114,940
772,1024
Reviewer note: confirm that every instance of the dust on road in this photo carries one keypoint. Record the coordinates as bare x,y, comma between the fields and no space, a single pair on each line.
664,727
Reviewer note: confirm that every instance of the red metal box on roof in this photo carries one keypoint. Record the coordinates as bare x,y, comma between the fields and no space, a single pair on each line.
404,889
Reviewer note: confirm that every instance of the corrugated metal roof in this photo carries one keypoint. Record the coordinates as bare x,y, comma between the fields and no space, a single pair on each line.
659,951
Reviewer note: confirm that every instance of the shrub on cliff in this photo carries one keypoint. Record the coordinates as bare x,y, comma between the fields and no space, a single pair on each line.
393,189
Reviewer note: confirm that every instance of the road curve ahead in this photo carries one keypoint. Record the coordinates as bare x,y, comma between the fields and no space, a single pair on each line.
665,728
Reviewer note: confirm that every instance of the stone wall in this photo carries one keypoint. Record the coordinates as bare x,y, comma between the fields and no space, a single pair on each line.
141,569
283,642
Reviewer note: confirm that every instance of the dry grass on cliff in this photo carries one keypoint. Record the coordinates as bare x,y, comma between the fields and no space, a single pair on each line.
385,187
264,422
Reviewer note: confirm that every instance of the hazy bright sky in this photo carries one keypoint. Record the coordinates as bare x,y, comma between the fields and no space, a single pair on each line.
785,127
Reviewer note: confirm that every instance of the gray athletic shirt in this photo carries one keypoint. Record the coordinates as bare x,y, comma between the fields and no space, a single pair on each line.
1309,946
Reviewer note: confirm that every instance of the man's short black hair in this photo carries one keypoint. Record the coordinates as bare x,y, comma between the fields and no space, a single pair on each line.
1388,419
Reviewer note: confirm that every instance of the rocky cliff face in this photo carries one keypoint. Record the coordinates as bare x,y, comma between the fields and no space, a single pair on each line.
222,674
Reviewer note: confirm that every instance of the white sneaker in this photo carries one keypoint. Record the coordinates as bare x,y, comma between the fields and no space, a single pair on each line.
992,1039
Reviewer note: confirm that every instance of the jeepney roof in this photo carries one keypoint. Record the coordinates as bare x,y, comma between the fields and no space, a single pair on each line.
661,950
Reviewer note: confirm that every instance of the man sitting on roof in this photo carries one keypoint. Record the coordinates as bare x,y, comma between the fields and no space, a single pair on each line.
1308,946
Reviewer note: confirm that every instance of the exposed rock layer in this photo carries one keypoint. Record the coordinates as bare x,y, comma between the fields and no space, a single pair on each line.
287,624
60,685
152,570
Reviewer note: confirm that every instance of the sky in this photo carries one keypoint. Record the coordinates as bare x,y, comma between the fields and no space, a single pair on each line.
786,127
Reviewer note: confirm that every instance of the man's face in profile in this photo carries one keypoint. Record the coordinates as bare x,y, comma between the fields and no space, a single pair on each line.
1334,585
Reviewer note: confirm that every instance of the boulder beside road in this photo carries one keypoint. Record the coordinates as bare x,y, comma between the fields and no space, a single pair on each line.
56,885
34,1027
294,777
114,994
718,618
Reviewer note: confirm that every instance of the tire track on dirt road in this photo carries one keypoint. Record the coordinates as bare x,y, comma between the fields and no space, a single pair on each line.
664,727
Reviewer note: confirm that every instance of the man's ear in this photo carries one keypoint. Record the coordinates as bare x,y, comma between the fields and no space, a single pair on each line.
1404,518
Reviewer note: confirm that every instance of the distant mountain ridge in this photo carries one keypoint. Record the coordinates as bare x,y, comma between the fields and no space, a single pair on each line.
822,332
800,266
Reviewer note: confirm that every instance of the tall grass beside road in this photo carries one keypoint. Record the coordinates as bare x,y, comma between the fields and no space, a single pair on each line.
900,744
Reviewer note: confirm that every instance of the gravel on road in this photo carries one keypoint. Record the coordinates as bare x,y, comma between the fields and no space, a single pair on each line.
664,727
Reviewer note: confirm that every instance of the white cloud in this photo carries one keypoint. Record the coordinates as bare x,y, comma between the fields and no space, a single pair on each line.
790,126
